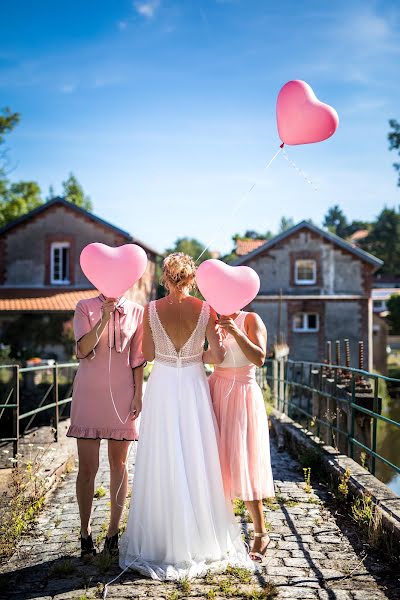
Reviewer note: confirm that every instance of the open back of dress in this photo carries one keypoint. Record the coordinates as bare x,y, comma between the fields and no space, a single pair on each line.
191,351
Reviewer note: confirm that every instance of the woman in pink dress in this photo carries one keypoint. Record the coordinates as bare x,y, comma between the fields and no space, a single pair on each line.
106,400
239,408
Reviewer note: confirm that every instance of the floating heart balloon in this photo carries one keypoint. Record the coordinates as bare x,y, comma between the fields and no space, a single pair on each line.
301,117
227,289
113,270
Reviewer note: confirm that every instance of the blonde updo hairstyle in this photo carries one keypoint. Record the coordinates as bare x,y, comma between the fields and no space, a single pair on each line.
179,272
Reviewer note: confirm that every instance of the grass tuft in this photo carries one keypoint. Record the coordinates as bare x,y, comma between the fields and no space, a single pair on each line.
184,585
103,562
62,569
100,492
239,573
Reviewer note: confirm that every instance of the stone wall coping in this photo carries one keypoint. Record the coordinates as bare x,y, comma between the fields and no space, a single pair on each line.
361,482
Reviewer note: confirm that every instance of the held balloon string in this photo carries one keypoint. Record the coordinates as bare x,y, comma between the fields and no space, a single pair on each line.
113,404
238,205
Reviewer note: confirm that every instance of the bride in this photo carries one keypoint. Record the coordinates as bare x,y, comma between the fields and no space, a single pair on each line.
180,524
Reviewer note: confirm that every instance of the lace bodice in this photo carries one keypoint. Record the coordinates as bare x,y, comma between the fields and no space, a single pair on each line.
235,357
192,350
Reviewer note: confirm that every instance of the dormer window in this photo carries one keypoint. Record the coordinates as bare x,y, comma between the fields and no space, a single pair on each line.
59,263
305,271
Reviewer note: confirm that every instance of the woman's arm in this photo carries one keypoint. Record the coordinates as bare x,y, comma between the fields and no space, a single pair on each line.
215,353
136,406
254,342
148,344
86,344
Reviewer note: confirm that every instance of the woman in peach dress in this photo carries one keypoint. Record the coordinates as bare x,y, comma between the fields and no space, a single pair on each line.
106,400
239,408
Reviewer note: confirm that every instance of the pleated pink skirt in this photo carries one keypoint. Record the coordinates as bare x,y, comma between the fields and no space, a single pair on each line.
244,435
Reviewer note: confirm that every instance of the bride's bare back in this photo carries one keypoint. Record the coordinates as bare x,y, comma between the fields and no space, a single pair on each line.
179,319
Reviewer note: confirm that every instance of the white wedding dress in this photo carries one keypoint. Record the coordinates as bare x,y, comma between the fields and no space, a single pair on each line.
180,524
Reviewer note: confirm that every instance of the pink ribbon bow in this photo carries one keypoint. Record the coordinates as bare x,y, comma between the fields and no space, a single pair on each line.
114,324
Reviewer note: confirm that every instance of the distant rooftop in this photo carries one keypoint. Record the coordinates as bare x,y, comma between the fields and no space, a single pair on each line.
247,245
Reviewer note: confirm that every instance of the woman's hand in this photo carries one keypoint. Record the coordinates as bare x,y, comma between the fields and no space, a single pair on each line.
228,325
107,308
136,406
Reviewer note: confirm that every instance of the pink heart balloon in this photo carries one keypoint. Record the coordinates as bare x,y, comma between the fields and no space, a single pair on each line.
301,117
113,270
227,289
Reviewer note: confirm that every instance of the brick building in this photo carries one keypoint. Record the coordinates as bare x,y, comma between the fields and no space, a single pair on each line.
325,285
39,262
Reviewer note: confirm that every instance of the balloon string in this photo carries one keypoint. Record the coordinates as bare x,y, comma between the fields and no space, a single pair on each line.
111,394
299,171
239,203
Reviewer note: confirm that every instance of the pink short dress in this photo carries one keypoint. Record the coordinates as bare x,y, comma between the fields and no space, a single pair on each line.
103,387
243,424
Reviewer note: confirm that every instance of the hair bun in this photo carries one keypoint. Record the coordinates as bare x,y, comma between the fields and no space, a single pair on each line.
179,270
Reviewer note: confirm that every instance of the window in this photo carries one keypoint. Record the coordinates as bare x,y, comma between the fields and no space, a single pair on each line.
59,263
306,322
305,272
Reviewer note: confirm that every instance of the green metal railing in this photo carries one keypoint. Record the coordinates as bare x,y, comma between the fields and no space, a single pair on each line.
11,399
341,405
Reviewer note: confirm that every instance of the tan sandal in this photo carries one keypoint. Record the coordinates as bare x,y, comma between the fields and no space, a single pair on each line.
259,556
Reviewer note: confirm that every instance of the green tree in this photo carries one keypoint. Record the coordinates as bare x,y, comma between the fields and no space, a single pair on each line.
335,221
394,142
190,246
73,192
17,199
8,120
285,224
51,193
393,305
384,240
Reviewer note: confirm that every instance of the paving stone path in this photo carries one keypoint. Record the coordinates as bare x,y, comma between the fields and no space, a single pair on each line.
314,553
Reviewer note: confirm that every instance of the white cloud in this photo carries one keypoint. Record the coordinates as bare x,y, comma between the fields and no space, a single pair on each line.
368,33
147,8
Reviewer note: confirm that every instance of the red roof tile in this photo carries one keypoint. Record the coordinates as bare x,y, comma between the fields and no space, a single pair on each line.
32,300
245,246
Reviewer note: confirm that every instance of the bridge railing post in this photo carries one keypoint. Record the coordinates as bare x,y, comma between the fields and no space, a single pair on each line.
275,383
55,400
15,410
376,408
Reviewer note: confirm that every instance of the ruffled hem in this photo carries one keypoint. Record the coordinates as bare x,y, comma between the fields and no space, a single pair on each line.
96,433
189,569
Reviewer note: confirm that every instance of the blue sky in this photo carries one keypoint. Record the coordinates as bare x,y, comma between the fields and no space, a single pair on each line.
165,109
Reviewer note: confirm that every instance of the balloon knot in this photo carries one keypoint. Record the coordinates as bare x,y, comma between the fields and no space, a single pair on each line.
281,146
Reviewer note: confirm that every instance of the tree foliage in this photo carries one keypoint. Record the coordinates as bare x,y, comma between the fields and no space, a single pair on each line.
190,246
335,221
285,224
394,142
17,199
73,192
393,305
8,120
383,240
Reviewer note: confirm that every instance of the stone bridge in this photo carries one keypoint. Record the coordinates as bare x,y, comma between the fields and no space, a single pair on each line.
317,550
